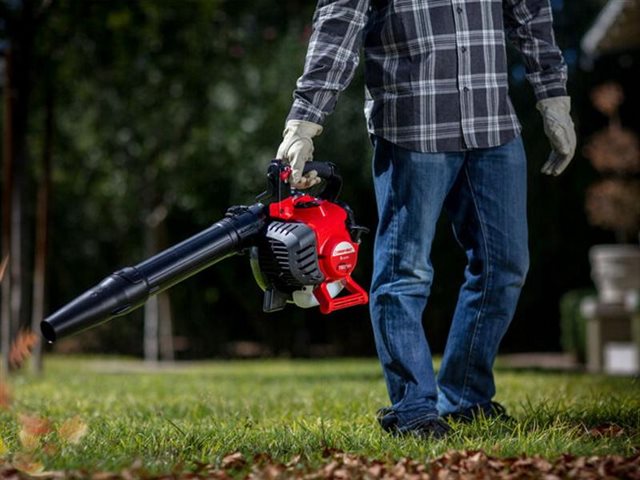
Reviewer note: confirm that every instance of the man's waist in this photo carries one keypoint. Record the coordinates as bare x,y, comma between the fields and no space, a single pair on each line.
381,91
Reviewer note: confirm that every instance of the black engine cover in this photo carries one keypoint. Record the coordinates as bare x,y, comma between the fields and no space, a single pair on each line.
288,257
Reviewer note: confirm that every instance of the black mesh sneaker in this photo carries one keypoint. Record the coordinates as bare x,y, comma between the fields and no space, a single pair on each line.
491,410
431,428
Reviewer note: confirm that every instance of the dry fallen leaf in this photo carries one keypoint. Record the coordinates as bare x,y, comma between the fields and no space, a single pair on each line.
34,424
234,460
33,428
295,460
5,395
26,464
104,476
21,348
375,471
3,267
28,441
606,430
73,429
50,449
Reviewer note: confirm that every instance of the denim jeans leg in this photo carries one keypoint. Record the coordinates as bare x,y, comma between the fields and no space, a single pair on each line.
487,207
410,190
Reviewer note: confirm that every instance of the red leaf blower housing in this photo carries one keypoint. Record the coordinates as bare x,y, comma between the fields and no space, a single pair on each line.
303,248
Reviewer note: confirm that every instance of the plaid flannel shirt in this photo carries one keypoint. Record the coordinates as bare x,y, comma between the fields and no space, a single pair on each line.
435,70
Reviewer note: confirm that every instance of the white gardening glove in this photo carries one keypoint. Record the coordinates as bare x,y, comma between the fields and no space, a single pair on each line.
297,149
559,128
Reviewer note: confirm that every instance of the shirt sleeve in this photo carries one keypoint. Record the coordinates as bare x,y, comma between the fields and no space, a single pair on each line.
529,27
332,57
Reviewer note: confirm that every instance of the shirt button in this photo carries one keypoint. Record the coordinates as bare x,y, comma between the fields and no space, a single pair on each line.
459,9
466,89
464,49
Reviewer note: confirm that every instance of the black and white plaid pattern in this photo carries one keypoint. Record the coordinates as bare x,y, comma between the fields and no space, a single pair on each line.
435,70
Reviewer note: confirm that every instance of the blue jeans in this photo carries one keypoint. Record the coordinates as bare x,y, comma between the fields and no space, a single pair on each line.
483,192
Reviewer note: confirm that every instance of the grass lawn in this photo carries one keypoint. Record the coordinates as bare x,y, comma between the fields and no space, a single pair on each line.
201,412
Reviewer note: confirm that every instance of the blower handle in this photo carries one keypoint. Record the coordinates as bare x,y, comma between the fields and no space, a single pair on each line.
327,171
278,187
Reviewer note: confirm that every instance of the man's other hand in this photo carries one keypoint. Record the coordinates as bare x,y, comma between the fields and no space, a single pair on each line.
559,128
297,149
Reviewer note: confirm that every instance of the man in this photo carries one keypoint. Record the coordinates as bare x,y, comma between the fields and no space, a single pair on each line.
445,137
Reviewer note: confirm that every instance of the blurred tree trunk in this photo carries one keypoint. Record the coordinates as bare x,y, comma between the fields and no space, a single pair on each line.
42,231
151,307
151,328
17,88
165,319
158,329
7,187
166,324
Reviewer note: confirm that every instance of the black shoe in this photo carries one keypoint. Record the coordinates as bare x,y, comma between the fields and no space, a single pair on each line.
433,428
387,419
491,410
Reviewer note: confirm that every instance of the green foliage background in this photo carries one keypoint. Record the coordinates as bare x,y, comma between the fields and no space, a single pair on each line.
181,104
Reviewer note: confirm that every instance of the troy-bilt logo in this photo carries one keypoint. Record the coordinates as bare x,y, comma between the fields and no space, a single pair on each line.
343,248
343,258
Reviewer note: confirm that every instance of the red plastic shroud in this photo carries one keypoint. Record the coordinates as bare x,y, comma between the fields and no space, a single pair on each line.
337,253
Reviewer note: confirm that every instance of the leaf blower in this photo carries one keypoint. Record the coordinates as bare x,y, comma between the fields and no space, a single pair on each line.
303,247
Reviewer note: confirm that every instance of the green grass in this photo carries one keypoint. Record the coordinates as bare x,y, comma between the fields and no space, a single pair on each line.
203,411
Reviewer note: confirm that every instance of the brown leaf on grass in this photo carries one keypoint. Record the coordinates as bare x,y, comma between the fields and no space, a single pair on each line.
32,429
34,425
542,465
50,449
608,430
270,471
5,396
3,267
375,471
21,348
295,461
29,442
104,476
329,451
136,471
234,460
328,469
27,464
73,430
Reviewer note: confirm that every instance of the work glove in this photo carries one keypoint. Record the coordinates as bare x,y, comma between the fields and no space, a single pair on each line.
559,128
297,149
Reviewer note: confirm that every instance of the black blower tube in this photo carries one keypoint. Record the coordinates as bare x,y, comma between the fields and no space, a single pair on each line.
129,288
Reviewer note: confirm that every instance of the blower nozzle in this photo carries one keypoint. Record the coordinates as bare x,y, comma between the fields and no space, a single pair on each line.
118,294
129,288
